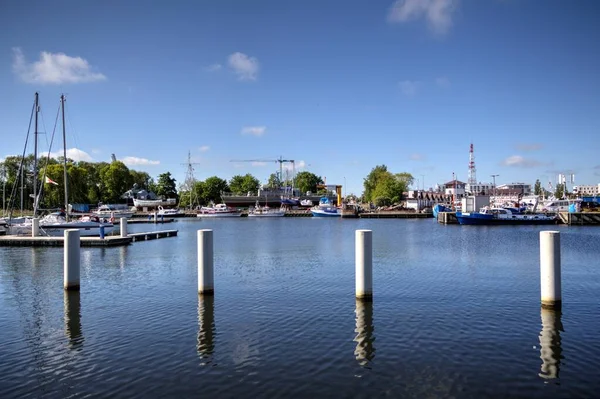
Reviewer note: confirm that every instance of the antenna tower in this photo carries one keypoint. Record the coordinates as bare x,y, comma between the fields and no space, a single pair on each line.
472,170
190,180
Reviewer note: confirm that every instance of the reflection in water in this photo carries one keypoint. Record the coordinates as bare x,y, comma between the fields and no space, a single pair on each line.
206,325
550,343
365,351
73,319
122,256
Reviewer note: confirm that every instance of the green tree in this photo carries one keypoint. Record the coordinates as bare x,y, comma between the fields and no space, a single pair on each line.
165,186
244,184
211,189
142,179
370,182
537,188
307,181
115,180
274,181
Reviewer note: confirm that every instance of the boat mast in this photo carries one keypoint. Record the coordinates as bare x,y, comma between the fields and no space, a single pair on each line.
62,103
35,156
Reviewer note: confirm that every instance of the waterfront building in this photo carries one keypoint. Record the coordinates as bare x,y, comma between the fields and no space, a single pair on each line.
592,190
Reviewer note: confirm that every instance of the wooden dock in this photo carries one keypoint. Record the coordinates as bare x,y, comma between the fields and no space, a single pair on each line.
152,235
579,218
108,241
447,218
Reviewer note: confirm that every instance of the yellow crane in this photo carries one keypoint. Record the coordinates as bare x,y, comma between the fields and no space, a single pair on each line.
338,190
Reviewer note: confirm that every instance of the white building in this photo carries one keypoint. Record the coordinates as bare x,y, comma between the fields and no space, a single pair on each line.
479,188
455,188
587,190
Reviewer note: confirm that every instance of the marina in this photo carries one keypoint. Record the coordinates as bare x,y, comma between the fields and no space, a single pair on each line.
455,314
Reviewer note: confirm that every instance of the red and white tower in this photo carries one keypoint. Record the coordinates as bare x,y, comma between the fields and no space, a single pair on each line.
472,170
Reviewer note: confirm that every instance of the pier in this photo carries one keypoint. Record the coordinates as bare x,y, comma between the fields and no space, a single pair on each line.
108,241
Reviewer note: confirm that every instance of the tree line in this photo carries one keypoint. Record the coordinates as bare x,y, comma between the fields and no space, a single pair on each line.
104,182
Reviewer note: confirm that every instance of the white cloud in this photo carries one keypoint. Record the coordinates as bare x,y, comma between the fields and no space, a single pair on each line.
438,13
254,130
258,163
135,161
417,157
529,147
520,162
73,153
54,68
245,67
214,67
442,81
96,151
297,165
204,148
409,87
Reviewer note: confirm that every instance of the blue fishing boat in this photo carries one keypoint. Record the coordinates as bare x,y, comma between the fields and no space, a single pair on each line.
503,216
325,209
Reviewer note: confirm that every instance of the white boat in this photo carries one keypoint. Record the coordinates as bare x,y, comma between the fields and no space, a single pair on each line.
325,209
265,211
153,203
113,211
219,210
167,212
56,223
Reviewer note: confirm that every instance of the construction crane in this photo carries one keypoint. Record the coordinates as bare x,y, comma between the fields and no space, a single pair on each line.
281,162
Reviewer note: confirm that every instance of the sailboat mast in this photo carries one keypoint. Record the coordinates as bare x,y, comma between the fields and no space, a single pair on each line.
62,103
35,156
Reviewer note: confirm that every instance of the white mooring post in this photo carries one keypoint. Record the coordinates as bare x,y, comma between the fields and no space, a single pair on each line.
550,269
72,259
154,216
364,264
206,284
35,227
123,226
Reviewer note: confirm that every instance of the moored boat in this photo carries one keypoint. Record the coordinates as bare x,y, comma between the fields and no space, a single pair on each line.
265,211
325,209
219,210
113,211
503,216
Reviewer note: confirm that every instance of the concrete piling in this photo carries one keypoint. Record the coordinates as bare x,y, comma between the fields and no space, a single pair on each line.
364,264
205,262
35,227
123,226
72,259
550,276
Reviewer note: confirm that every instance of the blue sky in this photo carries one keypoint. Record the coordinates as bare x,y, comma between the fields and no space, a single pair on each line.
338,86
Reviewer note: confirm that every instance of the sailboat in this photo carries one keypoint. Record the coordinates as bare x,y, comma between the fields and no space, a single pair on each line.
56,223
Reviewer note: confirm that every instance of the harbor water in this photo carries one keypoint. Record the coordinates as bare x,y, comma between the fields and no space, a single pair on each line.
455,313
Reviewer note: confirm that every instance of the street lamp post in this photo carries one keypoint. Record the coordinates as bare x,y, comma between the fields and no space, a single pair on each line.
344,186
494,183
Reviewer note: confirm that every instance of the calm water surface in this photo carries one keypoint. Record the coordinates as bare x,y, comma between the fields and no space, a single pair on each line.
456,313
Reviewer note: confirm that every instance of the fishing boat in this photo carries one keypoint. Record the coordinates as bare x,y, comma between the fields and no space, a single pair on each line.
219,210
503,216
325,209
